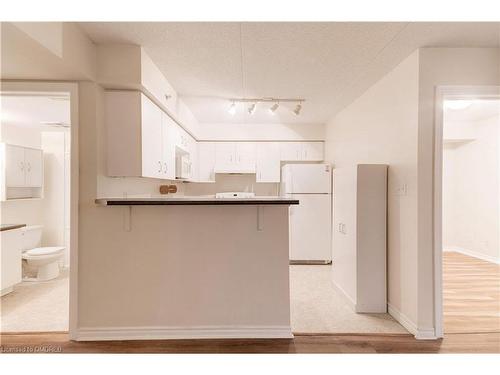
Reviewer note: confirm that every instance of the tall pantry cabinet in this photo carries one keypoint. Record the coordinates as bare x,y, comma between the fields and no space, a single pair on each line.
359,236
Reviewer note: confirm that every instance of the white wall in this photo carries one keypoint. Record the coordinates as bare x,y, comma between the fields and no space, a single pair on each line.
381,127
56,190
261,132
471,188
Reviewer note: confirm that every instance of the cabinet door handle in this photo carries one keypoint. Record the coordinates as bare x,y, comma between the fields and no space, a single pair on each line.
166,167
21,165
159,163
29,167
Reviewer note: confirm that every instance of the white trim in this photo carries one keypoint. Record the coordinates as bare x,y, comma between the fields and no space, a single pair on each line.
182,333
72,89
442,93
420,334
402,319
471,253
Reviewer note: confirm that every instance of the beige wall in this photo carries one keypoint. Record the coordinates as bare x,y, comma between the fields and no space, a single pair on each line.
440,67
381,127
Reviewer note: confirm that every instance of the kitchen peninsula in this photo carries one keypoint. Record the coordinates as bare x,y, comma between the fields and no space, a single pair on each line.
197,267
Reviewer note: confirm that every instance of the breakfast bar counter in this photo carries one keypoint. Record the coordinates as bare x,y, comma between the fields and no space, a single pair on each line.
204,267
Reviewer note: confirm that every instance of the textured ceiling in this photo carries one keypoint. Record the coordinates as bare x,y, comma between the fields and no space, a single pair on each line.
328,64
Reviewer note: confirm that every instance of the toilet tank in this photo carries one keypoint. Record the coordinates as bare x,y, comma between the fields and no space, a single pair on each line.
32,237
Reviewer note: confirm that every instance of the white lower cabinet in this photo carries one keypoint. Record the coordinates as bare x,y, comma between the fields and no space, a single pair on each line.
268,165
10,253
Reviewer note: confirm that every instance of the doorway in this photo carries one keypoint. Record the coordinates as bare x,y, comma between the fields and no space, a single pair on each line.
467,210
39,122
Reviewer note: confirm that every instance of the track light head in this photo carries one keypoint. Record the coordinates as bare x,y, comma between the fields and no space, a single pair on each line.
297,109
232,108
273,108
251,108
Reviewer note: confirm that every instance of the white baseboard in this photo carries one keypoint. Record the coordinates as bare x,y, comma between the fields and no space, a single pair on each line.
474,254
180,333
420,334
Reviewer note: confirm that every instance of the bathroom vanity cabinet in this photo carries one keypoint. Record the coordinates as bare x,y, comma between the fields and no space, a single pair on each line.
11,256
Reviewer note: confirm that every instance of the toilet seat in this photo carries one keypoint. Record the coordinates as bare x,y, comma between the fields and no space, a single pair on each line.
41,251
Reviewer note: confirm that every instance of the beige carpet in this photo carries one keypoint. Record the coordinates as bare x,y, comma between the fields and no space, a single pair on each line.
317,307
36,306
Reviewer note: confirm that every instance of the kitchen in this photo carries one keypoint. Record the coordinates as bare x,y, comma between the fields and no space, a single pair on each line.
216,195
151,157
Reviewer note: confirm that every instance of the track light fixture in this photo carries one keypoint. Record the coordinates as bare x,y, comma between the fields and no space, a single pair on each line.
297,109
274,102
251,108
274,107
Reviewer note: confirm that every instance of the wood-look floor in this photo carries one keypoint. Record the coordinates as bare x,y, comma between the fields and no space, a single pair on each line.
374,343
471,294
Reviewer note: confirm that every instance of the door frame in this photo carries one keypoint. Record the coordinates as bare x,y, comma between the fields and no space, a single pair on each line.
443,93
72,89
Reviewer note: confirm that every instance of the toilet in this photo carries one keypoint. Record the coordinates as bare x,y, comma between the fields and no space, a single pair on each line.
43,261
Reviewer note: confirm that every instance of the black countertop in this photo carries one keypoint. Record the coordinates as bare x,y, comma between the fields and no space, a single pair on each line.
11,226
194,201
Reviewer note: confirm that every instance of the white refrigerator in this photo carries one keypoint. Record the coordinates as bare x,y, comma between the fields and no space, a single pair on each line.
310,220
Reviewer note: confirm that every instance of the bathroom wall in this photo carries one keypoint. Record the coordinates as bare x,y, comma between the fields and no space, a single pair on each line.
56,190
51,211
471,188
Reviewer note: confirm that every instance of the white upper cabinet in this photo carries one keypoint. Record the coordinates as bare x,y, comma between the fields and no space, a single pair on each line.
237,157
169,134
152,140
15,167
302,151
206,162
33,160
313,151
246,156
140,137
23,166
225,154
291,151
268,166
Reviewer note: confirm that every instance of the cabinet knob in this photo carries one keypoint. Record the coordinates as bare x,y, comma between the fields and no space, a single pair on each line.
159,163
167,97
